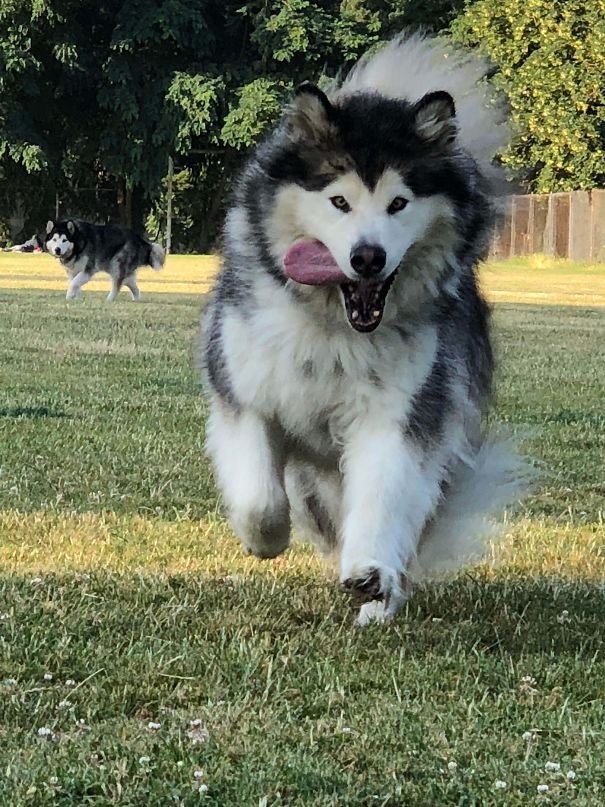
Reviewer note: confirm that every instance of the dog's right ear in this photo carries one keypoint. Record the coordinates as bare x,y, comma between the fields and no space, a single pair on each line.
49,227
310,116
71,227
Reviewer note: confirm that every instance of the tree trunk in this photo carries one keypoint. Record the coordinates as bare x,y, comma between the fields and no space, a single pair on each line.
131,206
209,225
138,209
124,203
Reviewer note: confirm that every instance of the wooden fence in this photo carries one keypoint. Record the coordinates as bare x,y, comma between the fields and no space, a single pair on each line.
565,225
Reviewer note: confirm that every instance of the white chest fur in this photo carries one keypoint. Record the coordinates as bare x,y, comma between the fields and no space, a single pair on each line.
283,362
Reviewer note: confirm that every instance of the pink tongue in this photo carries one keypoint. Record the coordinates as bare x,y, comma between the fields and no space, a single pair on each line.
311,262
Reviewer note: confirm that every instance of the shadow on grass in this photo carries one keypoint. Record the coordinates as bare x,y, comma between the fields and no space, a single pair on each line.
32,412
515,617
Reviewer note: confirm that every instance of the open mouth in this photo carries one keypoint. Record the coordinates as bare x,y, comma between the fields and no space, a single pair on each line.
311,263
365,301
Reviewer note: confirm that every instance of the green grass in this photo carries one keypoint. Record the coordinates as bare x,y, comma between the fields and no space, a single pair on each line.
117,571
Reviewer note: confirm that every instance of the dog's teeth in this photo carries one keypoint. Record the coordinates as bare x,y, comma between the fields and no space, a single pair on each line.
354,314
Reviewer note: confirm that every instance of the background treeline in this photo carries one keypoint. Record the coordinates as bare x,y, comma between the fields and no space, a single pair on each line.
95,95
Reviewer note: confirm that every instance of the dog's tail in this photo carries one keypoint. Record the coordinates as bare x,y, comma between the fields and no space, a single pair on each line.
157,256
465,521
410,66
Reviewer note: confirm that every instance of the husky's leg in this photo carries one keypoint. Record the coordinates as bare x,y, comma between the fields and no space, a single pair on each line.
75,284
131,283
115,288
248,459
315,498
387,499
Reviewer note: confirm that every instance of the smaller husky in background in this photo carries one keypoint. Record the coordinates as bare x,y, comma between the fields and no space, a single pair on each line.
85,249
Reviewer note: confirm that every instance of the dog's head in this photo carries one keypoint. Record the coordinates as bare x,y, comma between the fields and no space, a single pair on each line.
370,179
60,238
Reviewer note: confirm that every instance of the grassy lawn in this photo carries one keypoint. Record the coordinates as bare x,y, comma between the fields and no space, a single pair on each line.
145,661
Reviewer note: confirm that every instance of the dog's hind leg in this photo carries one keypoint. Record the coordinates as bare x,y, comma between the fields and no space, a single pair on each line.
115,288
131,283
248,457
315,501
75,284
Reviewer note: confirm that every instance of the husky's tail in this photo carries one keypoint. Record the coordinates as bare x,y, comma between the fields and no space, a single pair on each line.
465,521
410,66
157,257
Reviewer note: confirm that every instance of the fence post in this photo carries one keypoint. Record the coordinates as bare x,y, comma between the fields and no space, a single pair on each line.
579,226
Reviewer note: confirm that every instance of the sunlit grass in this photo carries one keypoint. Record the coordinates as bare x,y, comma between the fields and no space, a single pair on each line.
155,657
538,279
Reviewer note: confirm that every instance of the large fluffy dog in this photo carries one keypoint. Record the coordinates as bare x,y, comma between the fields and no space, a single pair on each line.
346,344
85,249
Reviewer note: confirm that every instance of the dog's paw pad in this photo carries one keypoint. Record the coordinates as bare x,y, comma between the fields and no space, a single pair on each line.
365,588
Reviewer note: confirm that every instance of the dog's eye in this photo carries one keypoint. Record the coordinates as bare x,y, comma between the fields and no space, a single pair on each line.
340,203
396,205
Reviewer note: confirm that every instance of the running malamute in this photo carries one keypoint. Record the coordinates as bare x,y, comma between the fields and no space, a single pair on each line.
85,249
346,344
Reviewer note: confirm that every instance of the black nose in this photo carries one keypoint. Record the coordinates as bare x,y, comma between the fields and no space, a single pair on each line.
57,250
368,260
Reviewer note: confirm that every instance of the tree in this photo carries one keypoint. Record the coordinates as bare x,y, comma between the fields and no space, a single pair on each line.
95,95
550,60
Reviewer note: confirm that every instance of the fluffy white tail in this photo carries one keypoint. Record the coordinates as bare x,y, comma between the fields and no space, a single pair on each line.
412,65
465,523
157,257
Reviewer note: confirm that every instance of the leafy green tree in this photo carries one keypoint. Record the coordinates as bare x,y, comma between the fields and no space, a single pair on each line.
550,59
95,95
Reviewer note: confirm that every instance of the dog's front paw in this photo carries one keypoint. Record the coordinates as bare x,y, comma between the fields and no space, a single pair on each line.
265,535
374,611
381,592
365,587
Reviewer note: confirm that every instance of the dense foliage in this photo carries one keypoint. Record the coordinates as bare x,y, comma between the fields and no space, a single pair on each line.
96,95
551,60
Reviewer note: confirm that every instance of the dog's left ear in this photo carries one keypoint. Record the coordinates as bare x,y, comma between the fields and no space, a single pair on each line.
310,116
435,117
71,227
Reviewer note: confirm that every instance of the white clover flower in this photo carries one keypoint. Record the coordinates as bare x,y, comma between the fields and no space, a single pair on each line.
4,617
346,730
571,775
197,733
202,788
542,788
563,618
48,676
527,736
10,682
153,726
198,774
196,722
70,682
500,785
552,767
452,766
65,705
44,731
528,685
144,760
53,780
180,763
35,581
